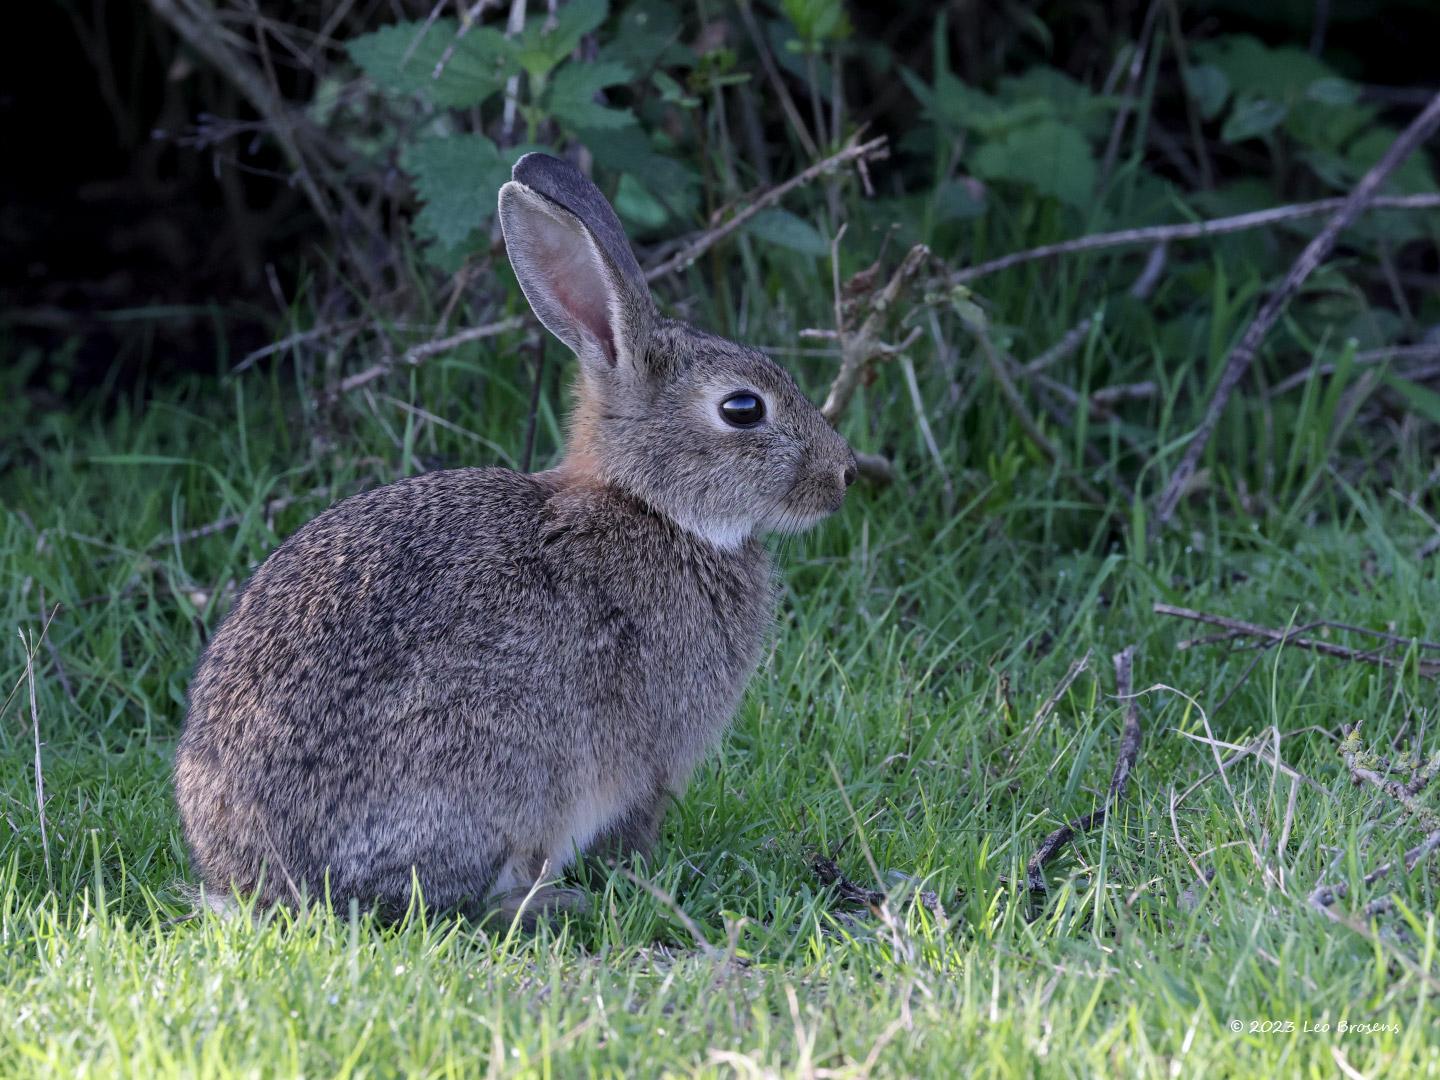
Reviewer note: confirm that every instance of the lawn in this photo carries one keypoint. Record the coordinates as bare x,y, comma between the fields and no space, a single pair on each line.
919,721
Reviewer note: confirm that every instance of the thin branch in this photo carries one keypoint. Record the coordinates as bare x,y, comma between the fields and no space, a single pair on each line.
1008,390
1128,99
1243,355
874,149
860,348
1428,668
418,354
1190,230
1141,289
229,521
1125,759
772,74
1360,359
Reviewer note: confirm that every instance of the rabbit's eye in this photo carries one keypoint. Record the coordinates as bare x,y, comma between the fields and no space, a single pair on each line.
742,410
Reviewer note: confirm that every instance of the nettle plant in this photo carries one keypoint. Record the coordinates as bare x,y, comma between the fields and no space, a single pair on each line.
531,91
470,99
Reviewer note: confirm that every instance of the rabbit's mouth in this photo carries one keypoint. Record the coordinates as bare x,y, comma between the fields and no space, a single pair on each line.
797,520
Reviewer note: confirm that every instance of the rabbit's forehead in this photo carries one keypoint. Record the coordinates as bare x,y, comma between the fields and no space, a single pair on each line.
710,363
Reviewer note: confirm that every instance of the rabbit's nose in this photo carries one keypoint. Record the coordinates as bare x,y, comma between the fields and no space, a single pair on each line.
849,474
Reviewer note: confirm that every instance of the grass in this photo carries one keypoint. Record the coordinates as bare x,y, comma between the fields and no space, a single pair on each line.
893,727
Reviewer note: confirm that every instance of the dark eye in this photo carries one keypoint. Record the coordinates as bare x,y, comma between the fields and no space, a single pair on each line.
743,409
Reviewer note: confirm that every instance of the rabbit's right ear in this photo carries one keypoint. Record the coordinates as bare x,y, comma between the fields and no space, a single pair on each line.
575,265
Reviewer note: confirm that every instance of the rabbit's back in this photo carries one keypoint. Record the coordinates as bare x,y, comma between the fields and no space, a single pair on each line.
459,676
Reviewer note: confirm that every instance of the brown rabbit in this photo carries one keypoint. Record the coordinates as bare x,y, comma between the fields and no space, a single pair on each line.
467,678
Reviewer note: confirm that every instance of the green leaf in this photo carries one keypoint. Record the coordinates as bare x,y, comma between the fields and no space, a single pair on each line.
1252,119
1421,400
628,150
1051,157
646,35
570,97
1333,91
784,229
1413,175
817,21
1042,91
1257,71
456,178
542,46
402,58
671,92
1209,88
959,201
637,206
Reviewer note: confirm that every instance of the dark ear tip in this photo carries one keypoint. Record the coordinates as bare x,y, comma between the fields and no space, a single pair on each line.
539,171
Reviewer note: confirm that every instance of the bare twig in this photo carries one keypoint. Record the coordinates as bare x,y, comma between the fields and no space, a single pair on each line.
1008,390
701,942
229,521
31,647
467,21
1128,99
1141,289
1243,355
1428,668
1191,230
284,343
777,83
1043,713
1125,759
873,149
829,874
1360,359
418,354
860,348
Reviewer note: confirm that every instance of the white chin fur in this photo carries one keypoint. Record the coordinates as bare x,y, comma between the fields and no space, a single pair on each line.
725,535
794,524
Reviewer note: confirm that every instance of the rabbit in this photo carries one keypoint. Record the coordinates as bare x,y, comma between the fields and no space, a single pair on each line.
467,679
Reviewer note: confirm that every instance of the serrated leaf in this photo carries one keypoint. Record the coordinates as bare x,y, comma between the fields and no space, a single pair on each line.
784,229
1051,157
456,178
402,59
571,96
1208,88
1253,119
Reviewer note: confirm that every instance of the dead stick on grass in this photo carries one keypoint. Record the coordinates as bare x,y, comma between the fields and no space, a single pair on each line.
1125,760
1243,355
1428,668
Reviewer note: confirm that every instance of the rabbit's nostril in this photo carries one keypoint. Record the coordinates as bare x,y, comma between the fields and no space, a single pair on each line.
850,473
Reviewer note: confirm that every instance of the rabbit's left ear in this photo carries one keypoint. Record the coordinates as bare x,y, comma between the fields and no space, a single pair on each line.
575,265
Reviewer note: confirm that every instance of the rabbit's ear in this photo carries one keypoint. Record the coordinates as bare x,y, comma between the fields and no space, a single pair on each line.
574,263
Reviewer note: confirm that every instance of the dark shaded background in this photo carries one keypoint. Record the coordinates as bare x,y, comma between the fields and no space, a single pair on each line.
149,227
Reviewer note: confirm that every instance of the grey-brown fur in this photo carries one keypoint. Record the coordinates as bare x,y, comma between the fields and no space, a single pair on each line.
468,676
